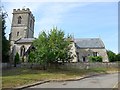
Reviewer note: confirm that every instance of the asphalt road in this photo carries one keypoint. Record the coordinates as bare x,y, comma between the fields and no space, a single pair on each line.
102,81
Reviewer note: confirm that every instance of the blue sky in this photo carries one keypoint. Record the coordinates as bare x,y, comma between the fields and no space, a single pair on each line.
81,19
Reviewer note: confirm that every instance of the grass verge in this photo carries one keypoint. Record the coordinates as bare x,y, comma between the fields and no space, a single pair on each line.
20,76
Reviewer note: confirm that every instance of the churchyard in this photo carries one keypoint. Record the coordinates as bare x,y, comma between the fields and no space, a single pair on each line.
18,76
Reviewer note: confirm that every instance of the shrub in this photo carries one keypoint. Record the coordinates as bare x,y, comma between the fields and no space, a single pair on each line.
17,59
95,59
118,57
111,56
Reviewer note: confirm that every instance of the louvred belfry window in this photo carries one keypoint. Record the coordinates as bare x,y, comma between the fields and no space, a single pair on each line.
19,20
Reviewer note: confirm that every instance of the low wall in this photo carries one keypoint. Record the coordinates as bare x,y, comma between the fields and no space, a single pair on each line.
68,65
29,65
6,65
90,65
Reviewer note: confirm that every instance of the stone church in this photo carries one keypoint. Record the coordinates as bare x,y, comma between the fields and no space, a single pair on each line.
82,48
22,36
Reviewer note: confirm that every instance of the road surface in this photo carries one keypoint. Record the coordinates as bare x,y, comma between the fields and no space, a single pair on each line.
102,81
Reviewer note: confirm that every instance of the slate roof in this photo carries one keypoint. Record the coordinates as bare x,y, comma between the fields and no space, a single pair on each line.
80,42
89,43
24,40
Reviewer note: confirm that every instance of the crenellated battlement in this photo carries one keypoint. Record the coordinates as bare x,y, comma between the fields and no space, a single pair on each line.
23,10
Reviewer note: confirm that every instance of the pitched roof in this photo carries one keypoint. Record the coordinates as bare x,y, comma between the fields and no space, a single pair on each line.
24,40
89,43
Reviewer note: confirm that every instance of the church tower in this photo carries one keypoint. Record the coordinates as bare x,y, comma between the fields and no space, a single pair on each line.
22,31
22,25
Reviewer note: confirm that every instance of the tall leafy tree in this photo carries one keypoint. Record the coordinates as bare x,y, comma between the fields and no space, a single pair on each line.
59,46
5,42
52,48
41,50
111,56
31,58
118,57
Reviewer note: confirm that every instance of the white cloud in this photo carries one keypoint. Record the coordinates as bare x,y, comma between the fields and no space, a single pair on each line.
52,13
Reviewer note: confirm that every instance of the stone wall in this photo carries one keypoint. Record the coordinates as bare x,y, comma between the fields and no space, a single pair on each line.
5,65
89,65
68,65
77,65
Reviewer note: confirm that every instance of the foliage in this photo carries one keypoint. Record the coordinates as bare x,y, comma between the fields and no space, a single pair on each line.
16,59
111,56
118,57
31,58
95,59
52,47
5,42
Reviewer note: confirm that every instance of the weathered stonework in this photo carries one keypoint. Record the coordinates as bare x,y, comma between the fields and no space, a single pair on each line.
83,48
25,28
73,50
89,52
22,27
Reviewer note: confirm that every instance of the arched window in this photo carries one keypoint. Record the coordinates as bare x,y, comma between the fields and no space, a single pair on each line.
17,33
19,20
22,51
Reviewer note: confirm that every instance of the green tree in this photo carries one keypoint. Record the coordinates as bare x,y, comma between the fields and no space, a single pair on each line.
111,56
16,59
52,48
5,42
31,58
118,57
42,50
58,46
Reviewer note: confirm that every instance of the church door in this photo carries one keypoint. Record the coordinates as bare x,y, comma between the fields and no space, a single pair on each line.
84,59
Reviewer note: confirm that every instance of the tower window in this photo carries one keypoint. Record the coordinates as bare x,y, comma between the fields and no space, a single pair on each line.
19,20
30,23
17,33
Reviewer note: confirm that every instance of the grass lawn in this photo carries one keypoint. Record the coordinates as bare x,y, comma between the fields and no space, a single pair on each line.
20,76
